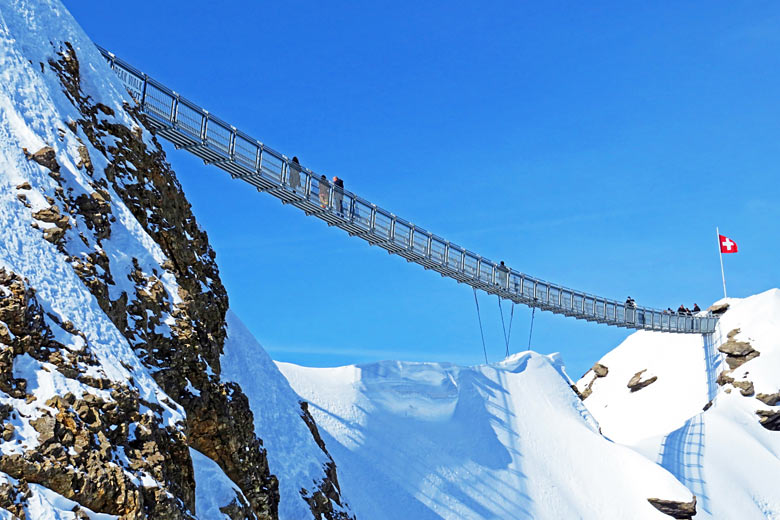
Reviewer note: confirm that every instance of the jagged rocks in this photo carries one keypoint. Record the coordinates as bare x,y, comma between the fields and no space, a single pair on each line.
599,371
737,352
679,510
637,383
81,443
769,399
745,387
769,419
718,308
46,157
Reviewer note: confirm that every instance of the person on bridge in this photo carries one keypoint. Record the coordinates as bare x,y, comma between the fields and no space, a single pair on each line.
324,191
681,309
630,303
338,195
696,307
294,177
502,274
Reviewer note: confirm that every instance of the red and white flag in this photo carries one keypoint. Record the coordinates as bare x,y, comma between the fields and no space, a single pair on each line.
727,245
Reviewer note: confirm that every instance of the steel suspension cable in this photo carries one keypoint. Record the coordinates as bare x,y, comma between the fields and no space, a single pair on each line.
533,312
481,332
507,335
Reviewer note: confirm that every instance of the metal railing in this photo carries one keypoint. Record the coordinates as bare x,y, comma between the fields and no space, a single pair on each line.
190,127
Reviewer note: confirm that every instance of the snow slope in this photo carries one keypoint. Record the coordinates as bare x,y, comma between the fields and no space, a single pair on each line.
722,454
508,440
292,451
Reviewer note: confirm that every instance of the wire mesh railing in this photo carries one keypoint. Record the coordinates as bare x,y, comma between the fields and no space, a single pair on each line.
193,128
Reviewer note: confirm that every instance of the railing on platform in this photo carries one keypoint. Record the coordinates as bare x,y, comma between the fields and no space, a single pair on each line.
193,128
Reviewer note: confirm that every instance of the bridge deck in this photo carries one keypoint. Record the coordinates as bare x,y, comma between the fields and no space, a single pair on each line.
190,127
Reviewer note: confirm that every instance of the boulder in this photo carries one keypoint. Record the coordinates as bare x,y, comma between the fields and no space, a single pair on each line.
600,370
769,419
637,383
680,510
718,308
769,399
737,352
47,158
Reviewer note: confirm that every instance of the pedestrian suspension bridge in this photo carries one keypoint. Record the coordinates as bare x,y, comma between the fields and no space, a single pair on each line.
192,128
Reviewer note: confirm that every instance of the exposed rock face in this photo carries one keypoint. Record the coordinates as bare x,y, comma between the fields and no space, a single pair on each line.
637,383
718,308
185,354
745,387
80,440
177,334
322,500
769,399
680,510
769,419
737,352
46,158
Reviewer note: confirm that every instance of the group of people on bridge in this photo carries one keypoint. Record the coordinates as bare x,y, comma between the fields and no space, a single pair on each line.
324,186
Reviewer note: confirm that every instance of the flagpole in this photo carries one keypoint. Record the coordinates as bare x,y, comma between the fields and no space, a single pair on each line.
720,251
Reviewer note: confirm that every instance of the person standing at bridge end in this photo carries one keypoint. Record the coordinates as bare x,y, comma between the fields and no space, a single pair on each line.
324,191
294,175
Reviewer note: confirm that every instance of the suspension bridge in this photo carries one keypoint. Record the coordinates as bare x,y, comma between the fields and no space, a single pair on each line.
192,128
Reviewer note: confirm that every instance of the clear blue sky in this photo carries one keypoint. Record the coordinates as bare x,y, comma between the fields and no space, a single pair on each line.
594,144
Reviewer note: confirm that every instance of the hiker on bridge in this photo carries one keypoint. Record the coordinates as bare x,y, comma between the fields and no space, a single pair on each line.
338,194
324,191
630,303
294,177
696,308
502,274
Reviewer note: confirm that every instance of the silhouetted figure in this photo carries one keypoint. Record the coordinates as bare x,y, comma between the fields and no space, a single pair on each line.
338,194
696,307
502,274
324,191
681,309
294,177
630,303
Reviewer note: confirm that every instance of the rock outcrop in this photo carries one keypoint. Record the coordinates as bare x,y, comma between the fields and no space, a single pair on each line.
107,448
598,370
737,352
637,383
679,510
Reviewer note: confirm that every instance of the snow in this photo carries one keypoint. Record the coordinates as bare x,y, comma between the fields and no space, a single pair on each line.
213,489
507,440
293,455
722,454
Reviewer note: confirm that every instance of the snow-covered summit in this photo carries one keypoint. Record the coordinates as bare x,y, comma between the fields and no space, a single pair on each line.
506,440
711,414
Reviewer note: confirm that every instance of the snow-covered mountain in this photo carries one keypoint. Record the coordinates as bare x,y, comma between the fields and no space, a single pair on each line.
711,415
120,375
507,440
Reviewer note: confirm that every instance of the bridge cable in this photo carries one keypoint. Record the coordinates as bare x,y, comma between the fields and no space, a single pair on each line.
507,335
532,327
481,332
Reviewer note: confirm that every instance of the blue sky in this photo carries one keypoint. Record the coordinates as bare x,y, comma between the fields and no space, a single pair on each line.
595,145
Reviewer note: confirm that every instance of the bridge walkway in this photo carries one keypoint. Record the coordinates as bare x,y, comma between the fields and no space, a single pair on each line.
192,128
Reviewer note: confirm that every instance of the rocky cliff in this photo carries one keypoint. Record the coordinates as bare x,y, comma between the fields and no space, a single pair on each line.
112,312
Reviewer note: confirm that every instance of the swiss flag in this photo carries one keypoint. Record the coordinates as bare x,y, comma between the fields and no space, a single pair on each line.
727,245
